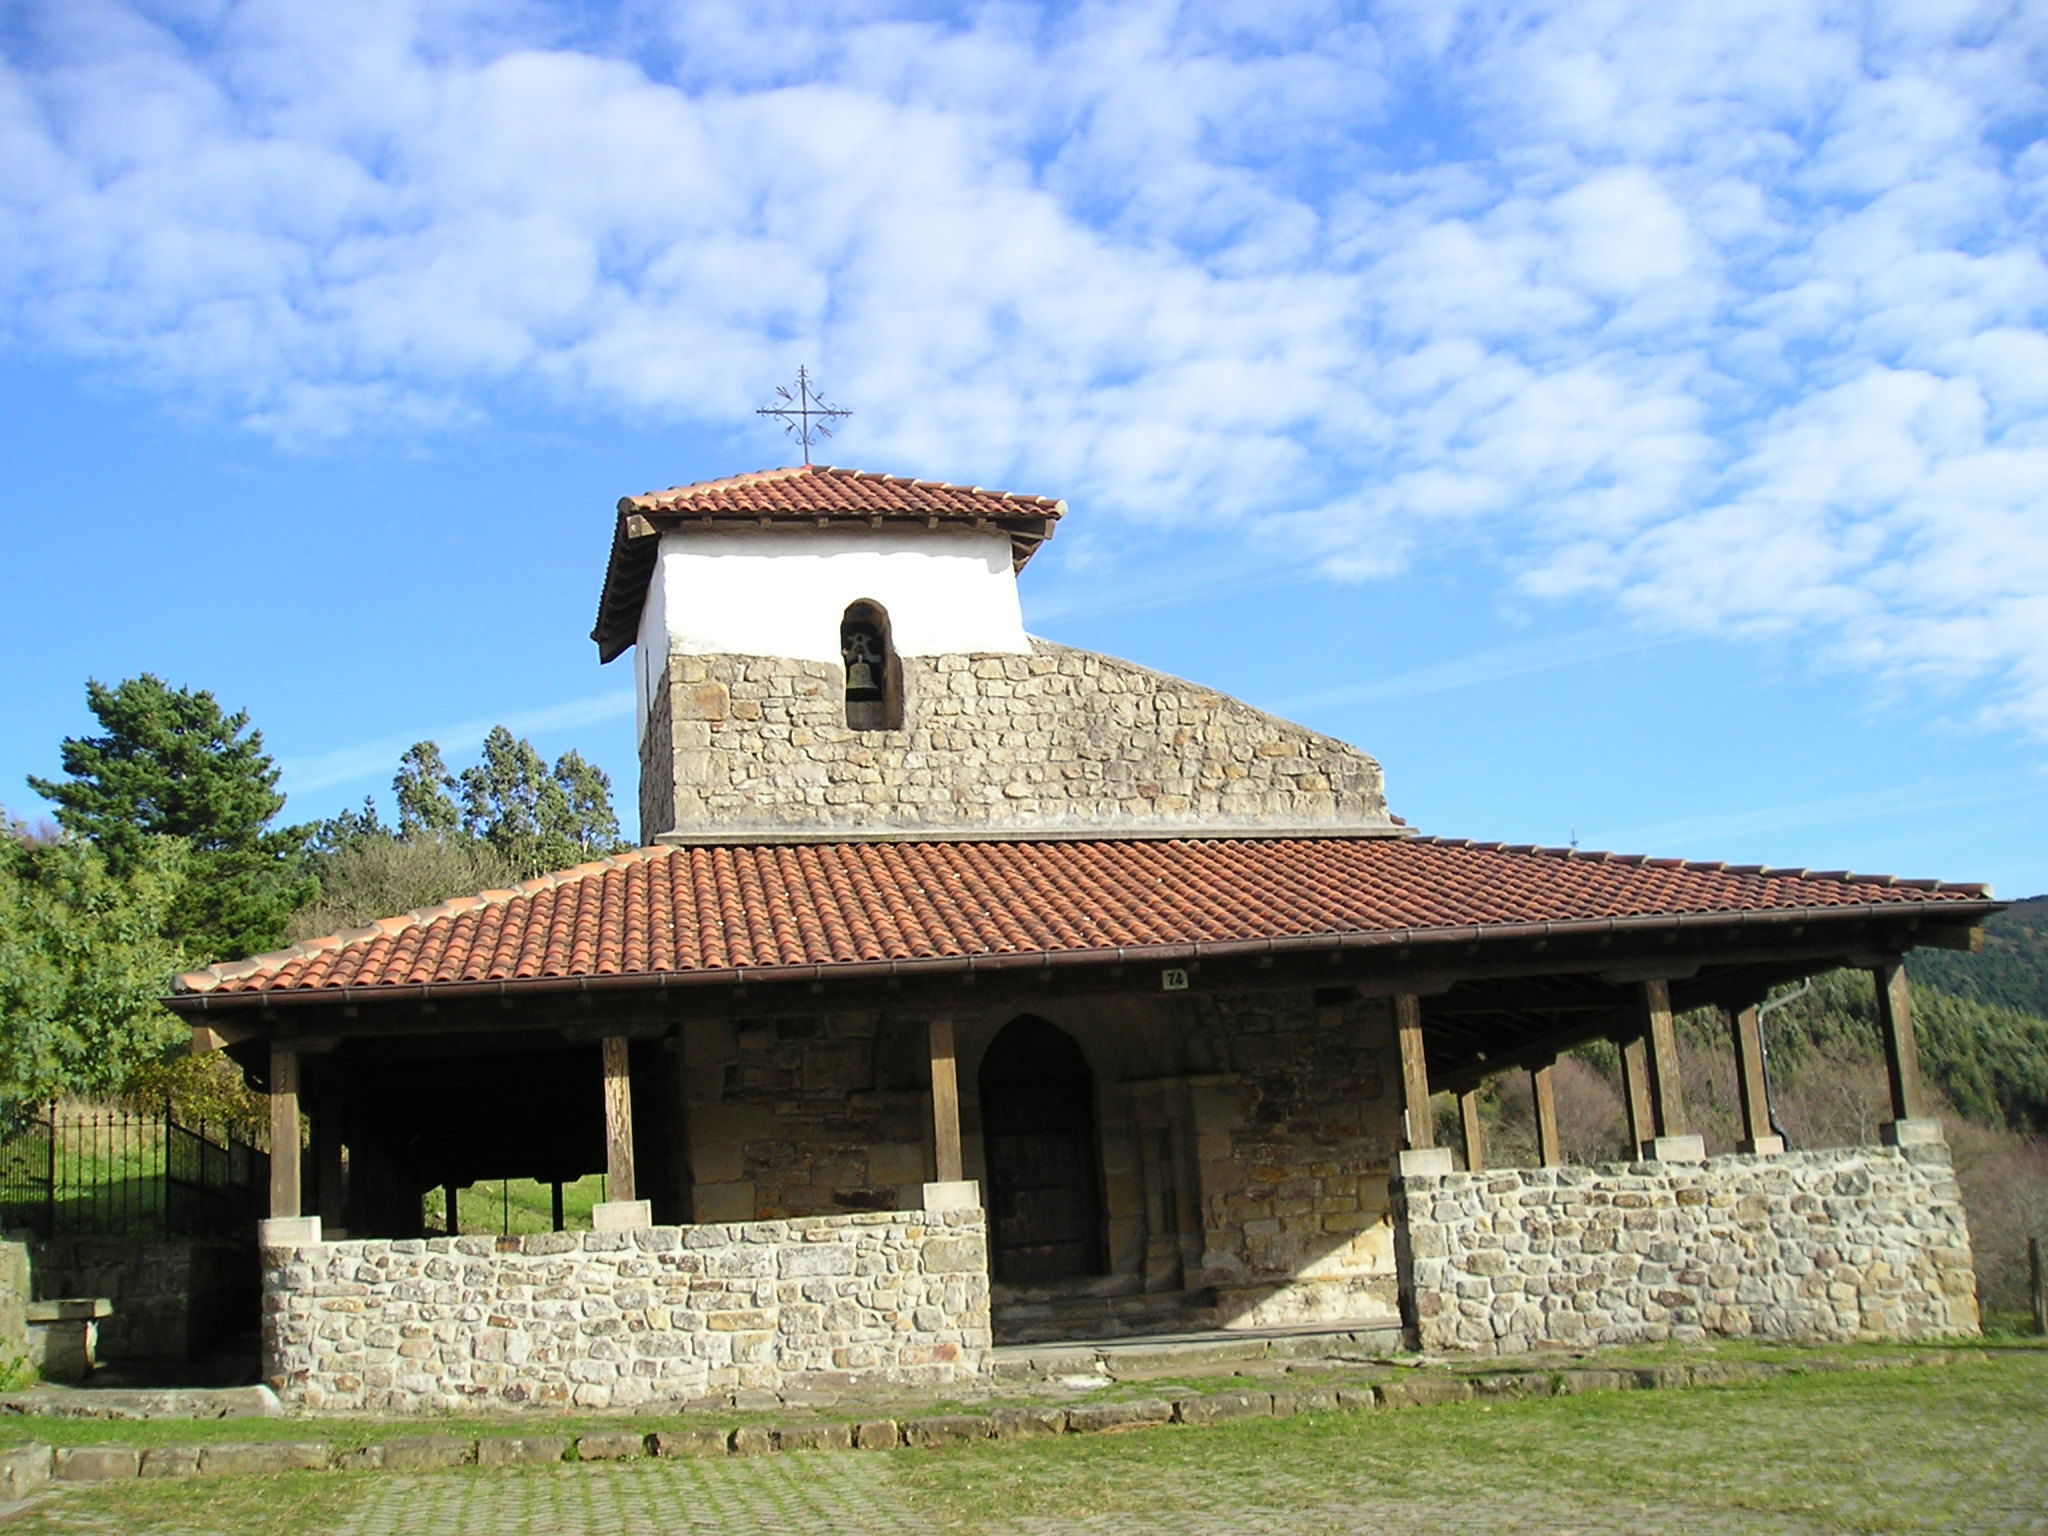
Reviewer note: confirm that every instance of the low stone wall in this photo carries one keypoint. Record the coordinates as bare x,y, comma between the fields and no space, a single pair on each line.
616,1319
1848,1243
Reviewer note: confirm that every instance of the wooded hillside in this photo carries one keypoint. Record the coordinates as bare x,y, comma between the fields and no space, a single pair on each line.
2012,971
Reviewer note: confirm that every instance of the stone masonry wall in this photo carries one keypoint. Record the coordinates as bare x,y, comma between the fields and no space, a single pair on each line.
1060,740
618,1319
807,1115
1295,1150
173,1300
1847,1243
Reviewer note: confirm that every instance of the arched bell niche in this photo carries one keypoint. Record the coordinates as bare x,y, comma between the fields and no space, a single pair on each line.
874,677
1038,1131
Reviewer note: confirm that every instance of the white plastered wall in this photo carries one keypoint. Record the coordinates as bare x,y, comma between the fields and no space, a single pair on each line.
783,592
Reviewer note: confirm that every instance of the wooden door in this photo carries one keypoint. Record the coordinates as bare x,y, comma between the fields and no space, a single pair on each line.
1038,1141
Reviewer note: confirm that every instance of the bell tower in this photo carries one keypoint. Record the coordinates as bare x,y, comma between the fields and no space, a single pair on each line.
823,653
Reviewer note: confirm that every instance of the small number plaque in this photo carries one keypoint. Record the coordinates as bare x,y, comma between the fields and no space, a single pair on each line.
1173,980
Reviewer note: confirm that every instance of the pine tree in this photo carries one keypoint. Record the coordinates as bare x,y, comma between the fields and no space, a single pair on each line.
171,763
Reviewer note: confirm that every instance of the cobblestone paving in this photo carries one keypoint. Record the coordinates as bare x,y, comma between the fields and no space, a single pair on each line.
778,1496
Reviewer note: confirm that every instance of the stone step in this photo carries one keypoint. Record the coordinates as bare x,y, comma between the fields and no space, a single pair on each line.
1195,1352
1041,1318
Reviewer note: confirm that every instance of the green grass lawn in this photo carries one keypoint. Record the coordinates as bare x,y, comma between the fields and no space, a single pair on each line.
514,1206
1957,1447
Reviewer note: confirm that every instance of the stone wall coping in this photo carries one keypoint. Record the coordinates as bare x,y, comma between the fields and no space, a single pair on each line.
1586,1173
655,1239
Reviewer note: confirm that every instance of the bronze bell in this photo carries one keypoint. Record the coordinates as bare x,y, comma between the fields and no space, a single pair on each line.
861,681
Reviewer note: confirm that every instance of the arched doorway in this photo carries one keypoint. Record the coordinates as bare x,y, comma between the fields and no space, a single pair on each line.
1038,1141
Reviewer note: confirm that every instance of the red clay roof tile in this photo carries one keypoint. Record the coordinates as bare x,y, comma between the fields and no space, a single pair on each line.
823,490
754,906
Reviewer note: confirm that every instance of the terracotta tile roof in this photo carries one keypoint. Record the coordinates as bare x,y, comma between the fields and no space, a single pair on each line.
803,493
711,911
821,490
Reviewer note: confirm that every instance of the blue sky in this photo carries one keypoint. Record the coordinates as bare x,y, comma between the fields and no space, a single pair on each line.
1630,423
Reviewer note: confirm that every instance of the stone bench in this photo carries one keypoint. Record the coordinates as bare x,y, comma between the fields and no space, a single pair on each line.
63,1336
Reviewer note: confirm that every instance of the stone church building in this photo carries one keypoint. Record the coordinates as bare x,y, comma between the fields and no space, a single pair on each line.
970,989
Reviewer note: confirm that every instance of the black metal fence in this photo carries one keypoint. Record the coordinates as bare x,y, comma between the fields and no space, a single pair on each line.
74,1171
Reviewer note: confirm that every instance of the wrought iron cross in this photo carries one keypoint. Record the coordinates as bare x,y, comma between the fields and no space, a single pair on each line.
802,412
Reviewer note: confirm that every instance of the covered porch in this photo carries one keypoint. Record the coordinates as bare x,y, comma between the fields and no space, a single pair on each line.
1222,1127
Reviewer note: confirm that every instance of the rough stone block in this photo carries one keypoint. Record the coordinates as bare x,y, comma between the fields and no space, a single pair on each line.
814,1437
618,1445
520,1450
1025,1420
266,1456
877,1435
1304,1400
812,1259
1422,1392
692,1442
1213,1407
955,1255
163,1461
1135,1413
945,1429
23,1469
419,1453
97,1463
753,1440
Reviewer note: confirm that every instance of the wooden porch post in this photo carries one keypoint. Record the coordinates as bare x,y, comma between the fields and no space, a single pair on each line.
1667,1094
1901,1049
1635,1094
327,1166
1544,1093
451,1216
947,1164
1418,1126
618,1122
1912,1122
284,1130
1751,1086
1469,1131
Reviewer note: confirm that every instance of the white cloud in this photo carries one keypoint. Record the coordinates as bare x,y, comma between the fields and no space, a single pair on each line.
1725,312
